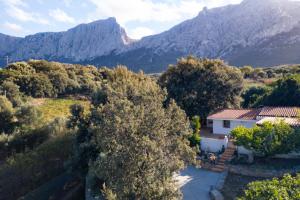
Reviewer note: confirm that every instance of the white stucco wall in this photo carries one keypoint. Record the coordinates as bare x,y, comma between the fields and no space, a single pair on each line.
243,150
219,129
211,145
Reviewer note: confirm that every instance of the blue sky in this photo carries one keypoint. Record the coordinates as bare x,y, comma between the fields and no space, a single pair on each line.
138,17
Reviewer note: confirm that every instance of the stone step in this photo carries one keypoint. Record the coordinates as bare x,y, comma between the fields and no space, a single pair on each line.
227,154
222,160
226,157
219,166
217,170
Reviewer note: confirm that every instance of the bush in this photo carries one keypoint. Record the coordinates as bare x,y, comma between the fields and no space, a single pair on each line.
24,172
268,139
6,115
11,90
286,188
254,96
195,138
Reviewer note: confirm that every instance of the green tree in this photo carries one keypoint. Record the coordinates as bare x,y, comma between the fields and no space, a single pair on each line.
195,138
286,92
246,70
139,142
254,96
202,86
28,117
286,188
6,115
268,139
36,86
11,91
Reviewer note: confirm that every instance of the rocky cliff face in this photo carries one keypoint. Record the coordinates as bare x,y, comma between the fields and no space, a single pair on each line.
77,44
228,32
8,43
255,32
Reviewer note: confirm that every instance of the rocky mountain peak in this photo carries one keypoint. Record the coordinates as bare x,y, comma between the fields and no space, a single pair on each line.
254,32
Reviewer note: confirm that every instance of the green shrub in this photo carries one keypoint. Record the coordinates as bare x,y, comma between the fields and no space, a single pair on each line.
24,172
268,139
276,189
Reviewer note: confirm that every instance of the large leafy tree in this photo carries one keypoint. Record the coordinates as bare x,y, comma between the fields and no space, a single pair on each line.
286,188
201,86
139,142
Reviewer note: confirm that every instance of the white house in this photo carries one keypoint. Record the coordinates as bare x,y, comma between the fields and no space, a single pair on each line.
221,123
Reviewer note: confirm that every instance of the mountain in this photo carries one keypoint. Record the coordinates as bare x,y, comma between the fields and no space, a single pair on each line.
80,43
255,32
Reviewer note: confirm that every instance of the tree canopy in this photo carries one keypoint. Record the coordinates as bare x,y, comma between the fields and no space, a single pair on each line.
39,78
138,141
201,86
286,92
283,92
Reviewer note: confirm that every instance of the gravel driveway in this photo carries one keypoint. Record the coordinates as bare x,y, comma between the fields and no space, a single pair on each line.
195,183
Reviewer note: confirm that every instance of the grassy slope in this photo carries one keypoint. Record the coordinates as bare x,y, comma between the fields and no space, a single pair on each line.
257,83
54,108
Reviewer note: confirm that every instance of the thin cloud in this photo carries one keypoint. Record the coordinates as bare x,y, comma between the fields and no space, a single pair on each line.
14,9
146,10
67,2
61,16
13,27
14,3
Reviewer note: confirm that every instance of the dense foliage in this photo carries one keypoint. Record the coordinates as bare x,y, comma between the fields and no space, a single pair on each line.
254,96
270,72
49,79
137,140
286,188
26,171
195,138
268,139
201,86
284,92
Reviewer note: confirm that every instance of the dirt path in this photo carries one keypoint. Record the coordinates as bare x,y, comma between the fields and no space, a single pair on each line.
38,101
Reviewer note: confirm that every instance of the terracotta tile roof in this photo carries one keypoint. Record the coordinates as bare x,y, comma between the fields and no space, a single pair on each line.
279,112
295,122
242,114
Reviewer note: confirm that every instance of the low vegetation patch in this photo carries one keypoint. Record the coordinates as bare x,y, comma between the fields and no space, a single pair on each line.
235,185
59,108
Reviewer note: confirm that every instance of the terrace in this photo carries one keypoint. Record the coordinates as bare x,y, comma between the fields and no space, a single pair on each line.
208,133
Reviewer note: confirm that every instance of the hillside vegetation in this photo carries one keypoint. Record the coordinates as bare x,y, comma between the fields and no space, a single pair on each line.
117,124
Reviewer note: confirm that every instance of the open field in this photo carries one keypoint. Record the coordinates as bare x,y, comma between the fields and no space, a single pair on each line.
54,108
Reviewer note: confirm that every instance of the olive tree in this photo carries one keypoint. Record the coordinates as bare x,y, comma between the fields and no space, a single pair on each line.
138,140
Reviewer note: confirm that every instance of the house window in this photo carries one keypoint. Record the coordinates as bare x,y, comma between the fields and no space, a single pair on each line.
226,124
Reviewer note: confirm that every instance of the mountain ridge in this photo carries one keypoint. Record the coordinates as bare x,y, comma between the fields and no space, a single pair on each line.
254,32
